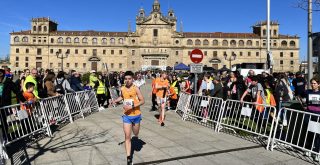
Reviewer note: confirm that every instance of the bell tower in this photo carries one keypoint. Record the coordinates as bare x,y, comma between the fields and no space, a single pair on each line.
156,6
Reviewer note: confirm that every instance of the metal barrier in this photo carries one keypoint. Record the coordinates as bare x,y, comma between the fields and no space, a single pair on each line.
253,118
302,131
183,103
19,121
204,108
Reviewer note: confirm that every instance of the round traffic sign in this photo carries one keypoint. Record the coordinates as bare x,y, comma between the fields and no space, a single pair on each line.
196,56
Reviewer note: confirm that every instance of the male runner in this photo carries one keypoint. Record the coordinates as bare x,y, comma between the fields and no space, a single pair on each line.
162,85
132,100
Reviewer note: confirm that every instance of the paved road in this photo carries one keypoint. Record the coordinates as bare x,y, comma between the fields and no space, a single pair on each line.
97,140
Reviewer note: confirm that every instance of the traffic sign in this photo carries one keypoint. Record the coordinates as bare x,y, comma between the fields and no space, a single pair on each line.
196,68
196,56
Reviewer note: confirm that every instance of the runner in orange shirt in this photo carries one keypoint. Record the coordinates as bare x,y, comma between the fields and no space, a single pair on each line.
162,85
173,99
132,100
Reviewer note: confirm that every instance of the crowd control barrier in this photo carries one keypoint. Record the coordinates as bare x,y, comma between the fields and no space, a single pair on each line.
203,108
301,130
258,119
183,103
27,119
19,121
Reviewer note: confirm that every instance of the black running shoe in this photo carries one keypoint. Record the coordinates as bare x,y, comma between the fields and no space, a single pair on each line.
129,160
162,124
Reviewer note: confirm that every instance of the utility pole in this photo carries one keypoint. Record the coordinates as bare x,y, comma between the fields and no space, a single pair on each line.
310,62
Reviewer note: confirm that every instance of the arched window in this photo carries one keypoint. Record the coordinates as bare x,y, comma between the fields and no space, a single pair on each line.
133,41
45,29
68,40
205,42
120,40
76,40
215,42
25,39
16,39
39,28
284,43
112,41
292,44
85,40
249,43
224,43
233,43
94,41
197,42
189,42
241,43
60,40
104,40
34,28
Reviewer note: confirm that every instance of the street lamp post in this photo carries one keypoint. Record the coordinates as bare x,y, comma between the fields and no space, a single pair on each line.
231,58
62,56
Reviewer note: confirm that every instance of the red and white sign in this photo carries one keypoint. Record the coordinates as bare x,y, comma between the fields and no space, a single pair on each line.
196,56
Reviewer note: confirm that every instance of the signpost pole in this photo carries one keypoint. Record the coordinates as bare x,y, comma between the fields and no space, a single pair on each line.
195,83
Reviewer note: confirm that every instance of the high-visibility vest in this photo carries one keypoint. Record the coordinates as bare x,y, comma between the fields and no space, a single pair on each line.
101,88
174,87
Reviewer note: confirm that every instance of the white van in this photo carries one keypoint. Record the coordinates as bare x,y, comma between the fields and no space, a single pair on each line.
244,68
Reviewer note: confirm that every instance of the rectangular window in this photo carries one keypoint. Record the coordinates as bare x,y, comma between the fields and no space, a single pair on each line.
241,54
68,65
249,53
112,51
132,62
39,41
27,50
215,54
133,52
257,43
76,51
155,32
44,41
27,59
76,65
39,52
291,62
205,53
17,64
120,65
51,65
104,51
68,51
84,51
17,50
257,54
94,52
60,51
38,58
26,65
281,54
51,51
281,62
120,51
17,58
291,54
84,65
177,53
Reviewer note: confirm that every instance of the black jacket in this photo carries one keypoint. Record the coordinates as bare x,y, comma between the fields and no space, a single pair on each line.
8,87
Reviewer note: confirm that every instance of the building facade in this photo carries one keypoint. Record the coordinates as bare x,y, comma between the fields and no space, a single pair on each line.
156,43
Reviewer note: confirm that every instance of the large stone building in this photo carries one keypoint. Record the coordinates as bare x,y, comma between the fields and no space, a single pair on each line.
155,43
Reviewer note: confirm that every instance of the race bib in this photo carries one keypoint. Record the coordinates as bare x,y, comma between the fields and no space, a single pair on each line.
128,102
314,98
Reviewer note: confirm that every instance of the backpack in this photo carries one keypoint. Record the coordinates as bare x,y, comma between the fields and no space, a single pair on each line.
59,87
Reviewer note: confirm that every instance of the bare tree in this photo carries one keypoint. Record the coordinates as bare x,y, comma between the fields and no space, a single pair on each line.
303,4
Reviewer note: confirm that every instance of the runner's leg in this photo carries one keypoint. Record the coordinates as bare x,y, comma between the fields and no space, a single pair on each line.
136,129
127,135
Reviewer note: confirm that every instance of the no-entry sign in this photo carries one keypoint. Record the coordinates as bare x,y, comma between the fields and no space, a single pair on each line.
196,56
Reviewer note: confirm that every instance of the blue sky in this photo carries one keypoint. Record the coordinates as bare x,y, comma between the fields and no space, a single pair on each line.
113,15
